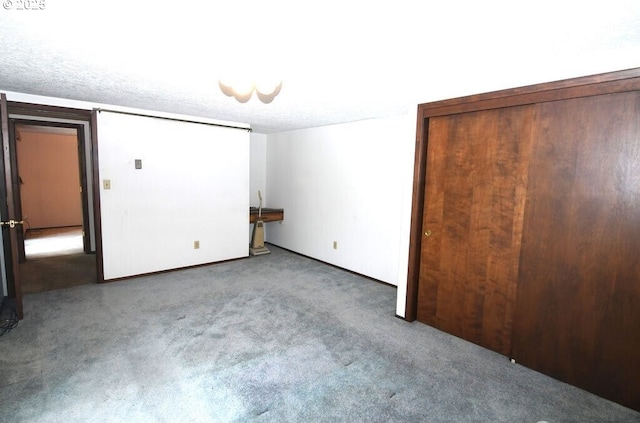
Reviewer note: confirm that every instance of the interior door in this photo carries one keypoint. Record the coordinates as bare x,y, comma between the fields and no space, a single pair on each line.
11,222
578,306
472,223
16,183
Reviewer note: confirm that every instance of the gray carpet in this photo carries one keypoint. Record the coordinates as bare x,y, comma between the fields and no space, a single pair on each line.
273,338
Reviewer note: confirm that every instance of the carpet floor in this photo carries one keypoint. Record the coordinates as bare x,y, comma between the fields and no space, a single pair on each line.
272,338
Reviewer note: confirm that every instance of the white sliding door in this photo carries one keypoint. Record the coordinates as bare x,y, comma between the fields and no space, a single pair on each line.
172,193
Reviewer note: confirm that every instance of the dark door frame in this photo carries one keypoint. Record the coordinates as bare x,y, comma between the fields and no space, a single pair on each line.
82,159
52,115
9,232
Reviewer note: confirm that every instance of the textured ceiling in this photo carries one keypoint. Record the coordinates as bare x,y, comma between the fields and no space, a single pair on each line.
340,61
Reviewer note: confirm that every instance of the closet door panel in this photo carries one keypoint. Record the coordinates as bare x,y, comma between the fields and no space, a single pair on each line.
474,202
578,304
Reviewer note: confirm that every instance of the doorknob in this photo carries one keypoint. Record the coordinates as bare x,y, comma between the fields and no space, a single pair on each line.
427,233
12,223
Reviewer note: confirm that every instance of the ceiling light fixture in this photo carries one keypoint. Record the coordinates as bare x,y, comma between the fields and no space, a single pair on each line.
242,90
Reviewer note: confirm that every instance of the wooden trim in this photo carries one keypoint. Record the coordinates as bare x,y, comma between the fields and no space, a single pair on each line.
52,124
42,110
97,212
17,190
177,269
606,83
8,180
177,119
82,169
82,164
268,215
415,234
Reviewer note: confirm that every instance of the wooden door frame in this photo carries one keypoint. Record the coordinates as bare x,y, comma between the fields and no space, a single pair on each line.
605,83
93,121
80,140
23,111
11,266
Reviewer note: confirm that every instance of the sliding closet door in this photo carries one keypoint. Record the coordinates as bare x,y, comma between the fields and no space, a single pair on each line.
578,307
474,202
174,193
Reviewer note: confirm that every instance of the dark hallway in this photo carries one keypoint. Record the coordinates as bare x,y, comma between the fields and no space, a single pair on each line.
55,260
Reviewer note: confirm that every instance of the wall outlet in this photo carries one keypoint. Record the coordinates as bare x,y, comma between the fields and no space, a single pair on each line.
106,183
335,245
196,245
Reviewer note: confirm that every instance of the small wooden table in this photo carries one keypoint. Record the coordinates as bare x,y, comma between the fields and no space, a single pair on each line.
268,215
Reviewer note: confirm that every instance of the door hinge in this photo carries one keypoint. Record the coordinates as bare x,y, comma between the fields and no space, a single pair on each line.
12,223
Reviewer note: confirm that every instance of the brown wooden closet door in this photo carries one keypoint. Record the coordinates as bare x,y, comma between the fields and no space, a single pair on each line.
578,306
474,204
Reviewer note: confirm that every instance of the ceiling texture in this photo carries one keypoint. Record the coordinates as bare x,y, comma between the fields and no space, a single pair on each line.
339,61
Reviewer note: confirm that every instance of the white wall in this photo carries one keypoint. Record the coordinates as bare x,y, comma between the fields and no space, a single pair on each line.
193,186
350,183
258,169
258,175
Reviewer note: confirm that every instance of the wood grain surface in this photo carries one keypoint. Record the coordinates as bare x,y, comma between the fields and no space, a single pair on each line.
578,307
474,202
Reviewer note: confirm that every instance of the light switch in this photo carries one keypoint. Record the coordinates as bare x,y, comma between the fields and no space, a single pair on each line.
106,183
138,164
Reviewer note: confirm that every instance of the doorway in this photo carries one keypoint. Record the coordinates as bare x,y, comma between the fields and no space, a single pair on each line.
50,166
55,260
13,232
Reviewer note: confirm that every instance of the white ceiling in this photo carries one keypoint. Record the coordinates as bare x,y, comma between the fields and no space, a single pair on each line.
340,61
